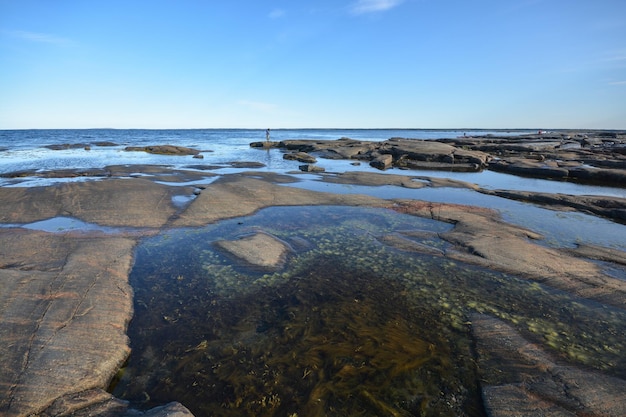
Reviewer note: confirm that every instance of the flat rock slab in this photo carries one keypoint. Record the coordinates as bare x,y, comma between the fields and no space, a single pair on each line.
481,238
65,301
131,202
238,195
606,206
62,326
260,249
399,151
164,149
520,379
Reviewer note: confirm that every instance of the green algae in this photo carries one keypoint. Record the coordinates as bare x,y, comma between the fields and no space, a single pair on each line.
350,326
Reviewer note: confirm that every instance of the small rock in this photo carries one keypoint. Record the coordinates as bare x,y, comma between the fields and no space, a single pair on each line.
382,162
311,168
300,156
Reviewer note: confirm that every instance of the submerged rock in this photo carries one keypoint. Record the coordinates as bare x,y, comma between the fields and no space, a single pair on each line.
260,249
521,379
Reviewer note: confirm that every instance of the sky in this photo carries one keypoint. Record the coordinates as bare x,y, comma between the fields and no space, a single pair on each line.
494,64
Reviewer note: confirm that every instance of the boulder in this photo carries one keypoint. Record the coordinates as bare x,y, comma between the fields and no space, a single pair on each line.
382,162
311,168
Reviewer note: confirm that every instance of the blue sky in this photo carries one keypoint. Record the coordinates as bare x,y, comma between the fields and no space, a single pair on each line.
320,64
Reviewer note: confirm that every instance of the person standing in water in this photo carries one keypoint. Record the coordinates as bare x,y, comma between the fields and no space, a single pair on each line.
267,135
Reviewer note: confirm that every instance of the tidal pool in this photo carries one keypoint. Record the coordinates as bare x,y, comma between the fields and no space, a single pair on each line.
348,326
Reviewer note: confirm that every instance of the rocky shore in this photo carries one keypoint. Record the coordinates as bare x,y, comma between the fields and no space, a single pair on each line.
581,157
598,157
65,299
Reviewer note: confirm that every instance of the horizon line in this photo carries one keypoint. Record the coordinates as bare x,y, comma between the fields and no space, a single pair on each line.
319,128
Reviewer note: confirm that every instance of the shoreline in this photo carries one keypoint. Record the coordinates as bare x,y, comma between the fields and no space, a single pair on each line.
61,288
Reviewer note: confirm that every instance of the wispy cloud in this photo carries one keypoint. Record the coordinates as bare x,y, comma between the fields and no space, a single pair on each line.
258,105
618,83
373,6
277,14
39,37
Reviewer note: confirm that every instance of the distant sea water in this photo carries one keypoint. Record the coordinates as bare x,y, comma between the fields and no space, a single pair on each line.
30,150
22,150
27,150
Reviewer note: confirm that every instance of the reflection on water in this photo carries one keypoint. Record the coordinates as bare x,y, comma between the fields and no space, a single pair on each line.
562,229
349,326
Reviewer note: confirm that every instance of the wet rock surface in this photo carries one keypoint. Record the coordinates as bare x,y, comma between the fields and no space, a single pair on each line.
521,379
481,238
581,156
65,301
164,149
610,207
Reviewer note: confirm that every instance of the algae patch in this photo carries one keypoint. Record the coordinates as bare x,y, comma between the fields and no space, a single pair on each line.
367,317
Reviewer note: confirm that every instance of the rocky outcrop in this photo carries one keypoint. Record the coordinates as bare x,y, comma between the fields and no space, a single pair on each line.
241,195
481,238
86,146
65,299
311,168
63,316
117,202
382,162
164,150
593,157
551,169
610,207
396,152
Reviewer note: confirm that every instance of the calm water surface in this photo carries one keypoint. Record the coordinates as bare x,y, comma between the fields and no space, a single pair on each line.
349,326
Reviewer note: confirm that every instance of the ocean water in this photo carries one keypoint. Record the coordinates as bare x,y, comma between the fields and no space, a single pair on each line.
28,150
22,150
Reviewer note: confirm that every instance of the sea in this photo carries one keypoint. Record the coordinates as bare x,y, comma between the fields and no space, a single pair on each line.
32,151
22,150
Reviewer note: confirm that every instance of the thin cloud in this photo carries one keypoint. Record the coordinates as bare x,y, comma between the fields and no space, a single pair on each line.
277,14
39,37
618,83
373,6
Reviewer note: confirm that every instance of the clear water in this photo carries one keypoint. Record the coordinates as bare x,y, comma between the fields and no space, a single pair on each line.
349,326
561,229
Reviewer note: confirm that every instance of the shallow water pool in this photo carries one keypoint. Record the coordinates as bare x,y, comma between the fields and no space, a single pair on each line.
348,326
